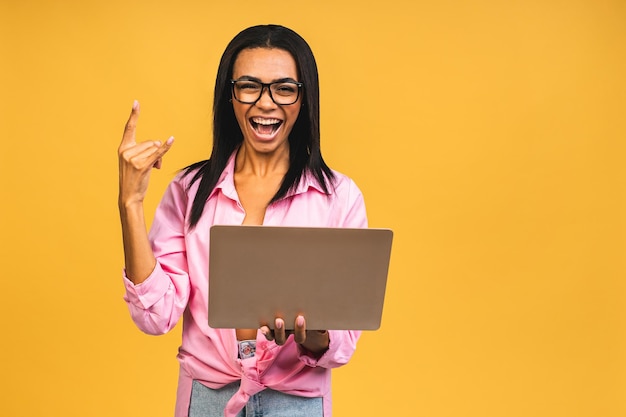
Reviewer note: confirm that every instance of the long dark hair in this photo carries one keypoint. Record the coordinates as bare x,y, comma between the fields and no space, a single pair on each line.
304,140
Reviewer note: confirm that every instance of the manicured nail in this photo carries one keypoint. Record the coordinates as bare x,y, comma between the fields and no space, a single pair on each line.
279,324
300,321
170,140
135,105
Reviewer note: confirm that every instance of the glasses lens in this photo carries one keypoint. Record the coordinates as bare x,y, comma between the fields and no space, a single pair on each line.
285,93
250,92
247,91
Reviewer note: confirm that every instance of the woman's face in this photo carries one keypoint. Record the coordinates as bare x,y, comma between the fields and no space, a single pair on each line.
265,125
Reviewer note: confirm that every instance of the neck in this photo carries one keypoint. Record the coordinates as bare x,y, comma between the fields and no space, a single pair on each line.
250,162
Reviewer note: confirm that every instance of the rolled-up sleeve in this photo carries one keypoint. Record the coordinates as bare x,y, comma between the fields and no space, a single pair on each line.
157,303
340,350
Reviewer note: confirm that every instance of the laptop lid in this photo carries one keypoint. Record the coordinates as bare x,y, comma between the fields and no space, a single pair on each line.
334,277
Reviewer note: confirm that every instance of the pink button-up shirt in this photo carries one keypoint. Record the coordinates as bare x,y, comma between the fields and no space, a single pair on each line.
178,286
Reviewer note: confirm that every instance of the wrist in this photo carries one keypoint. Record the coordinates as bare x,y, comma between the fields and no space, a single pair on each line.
129,204
317,342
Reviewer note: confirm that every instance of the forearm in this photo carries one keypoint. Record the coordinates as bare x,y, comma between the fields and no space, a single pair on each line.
158,303
138,256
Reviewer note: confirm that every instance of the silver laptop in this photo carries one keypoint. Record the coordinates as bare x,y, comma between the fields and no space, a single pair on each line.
335,277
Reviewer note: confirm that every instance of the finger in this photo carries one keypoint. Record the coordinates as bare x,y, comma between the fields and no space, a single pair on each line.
269,335
128,138
279,332
147,154
141,156
299,332
149,146
162,151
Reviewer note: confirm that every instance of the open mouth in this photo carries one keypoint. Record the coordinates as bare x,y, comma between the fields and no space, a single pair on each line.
265,126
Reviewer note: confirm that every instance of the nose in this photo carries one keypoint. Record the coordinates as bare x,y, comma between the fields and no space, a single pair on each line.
266,99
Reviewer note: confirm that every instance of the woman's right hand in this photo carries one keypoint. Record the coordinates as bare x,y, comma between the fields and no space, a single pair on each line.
136,160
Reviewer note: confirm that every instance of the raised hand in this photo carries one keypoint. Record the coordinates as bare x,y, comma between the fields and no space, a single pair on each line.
136,161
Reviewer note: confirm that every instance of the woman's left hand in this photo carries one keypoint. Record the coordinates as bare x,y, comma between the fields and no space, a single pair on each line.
315,341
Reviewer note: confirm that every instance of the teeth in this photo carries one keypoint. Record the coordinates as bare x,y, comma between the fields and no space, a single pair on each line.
265,122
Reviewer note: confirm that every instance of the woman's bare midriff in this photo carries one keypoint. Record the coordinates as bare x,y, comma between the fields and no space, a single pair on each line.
246,334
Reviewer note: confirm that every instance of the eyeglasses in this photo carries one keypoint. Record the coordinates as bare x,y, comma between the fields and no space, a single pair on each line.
282,93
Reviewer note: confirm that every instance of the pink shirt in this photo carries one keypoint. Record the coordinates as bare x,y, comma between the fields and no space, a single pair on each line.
178,286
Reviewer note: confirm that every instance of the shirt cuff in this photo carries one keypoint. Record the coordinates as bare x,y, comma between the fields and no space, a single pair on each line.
323,360
147,293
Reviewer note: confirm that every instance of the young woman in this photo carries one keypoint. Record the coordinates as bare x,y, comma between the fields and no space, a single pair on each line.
265,168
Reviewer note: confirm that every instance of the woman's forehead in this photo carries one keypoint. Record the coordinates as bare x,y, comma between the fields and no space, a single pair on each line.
267,64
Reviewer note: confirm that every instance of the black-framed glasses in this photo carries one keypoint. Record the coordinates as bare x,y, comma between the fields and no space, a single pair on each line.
282,93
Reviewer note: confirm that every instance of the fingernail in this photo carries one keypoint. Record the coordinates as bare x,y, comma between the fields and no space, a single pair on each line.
300,321
279,324
170,140
135,105
157,142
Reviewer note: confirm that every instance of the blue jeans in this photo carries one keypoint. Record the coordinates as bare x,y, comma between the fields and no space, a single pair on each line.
207,402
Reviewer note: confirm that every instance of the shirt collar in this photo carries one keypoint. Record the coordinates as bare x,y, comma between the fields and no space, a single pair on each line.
226,183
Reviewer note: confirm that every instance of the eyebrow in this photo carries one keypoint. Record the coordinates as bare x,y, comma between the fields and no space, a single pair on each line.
278,80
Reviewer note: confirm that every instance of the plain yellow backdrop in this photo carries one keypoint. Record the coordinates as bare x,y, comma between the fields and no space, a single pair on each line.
488,134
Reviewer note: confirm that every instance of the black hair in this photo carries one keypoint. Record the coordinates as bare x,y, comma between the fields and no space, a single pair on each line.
304,140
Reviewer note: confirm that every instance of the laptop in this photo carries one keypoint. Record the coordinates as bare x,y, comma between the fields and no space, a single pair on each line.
334,277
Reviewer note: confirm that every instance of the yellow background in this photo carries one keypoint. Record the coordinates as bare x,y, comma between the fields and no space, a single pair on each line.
488,134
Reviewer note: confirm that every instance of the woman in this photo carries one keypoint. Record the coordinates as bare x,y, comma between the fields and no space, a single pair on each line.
265,168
